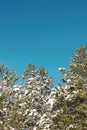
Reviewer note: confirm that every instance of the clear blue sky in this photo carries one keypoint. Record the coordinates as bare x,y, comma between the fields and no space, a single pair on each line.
41,32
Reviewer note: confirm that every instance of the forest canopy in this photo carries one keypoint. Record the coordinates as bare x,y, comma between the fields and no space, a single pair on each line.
37,104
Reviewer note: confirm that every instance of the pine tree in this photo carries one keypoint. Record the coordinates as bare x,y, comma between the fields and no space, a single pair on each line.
75,114
7,80
39,85
36,105
30,99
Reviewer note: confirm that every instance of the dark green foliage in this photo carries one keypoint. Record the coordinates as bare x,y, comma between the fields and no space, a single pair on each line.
75,108
7,80
36,105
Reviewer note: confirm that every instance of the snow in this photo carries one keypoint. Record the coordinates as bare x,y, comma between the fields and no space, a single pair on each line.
51,101
61,69
68,80
16,89
71,126
34,128
26,92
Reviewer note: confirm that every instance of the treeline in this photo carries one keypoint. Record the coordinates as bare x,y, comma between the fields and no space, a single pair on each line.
36,104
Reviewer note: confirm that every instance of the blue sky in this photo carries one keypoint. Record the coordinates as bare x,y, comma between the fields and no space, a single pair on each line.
41,32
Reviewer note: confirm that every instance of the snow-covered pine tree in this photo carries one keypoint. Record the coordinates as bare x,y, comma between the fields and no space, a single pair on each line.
30,99
35,106
7,80
74,114
77,82
38,84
